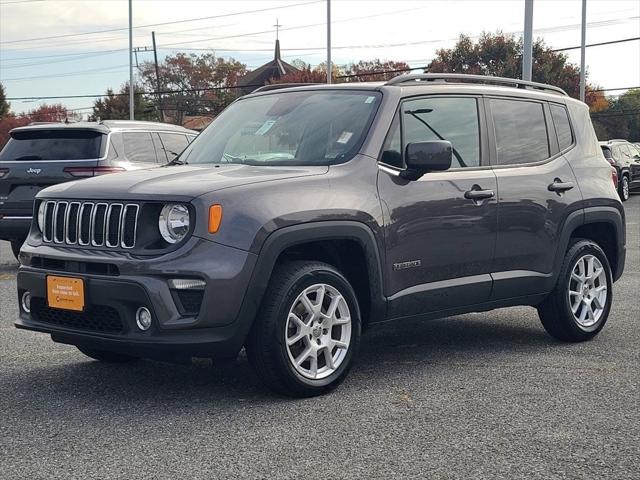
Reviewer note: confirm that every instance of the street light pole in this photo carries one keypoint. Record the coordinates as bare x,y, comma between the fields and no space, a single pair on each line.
131,92
329,67
527,53
583,42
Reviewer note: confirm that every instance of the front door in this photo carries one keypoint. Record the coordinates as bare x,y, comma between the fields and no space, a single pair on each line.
440,230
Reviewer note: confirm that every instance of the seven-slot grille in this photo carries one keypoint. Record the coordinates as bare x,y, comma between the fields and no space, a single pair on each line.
98,224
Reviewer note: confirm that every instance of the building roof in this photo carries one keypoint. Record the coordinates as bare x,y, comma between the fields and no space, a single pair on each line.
274,69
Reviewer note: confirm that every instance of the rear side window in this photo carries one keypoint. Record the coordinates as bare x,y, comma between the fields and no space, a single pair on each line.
445,118
53,145
138,147
521,131
174,144
563,127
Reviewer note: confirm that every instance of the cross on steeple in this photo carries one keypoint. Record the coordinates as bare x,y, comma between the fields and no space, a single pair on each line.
277,25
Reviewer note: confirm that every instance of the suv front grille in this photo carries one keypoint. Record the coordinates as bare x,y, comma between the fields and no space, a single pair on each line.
87,223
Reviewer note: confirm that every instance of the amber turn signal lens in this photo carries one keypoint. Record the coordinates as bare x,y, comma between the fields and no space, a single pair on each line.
215,217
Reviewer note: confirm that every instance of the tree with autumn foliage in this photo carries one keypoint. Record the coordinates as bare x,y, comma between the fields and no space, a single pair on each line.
621,117
374,70
500,55
199,80
115,106
4,105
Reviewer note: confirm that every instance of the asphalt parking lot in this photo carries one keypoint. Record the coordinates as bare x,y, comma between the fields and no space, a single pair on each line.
476,396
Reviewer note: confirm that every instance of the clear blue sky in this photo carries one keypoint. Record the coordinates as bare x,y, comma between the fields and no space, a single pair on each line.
410,31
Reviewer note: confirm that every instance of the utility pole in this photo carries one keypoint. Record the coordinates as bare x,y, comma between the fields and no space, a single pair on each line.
329,66
583,42
527,53
131,92
155,59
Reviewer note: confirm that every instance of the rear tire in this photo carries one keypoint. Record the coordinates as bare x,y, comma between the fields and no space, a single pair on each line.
307,331
578,307
106,356
623,188
15,247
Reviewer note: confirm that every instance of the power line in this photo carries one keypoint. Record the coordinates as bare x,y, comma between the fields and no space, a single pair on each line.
19,1
597,44
266,9
69,74
613,89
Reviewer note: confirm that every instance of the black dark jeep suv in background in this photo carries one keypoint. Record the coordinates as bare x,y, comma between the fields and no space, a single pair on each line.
625,158
44,154
304,215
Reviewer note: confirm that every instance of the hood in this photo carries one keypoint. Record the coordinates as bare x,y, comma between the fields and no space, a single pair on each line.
180,182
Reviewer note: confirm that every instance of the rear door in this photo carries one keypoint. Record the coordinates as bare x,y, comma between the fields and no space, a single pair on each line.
536,191
34,159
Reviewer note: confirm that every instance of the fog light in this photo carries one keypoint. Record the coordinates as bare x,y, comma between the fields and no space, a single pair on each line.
26,302
143,318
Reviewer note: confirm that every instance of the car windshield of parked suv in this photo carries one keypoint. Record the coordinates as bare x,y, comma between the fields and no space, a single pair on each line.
287,128
52,145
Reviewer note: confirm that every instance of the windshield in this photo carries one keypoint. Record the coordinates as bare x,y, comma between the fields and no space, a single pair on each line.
52,145
295,128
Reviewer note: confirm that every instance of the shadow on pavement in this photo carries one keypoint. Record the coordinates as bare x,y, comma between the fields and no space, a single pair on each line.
435,346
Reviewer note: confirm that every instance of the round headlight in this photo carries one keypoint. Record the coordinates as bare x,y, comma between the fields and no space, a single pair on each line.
174,222
41,210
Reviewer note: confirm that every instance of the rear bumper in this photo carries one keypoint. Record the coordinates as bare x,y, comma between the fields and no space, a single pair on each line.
14,227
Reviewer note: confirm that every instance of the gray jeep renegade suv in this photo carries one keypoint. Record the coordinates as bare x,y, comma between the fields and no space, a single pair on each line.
304,215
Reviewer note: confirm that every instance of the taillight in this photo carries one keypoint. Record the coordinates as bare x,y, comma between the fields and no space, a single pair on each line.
3,172
614,177
91,171
610,160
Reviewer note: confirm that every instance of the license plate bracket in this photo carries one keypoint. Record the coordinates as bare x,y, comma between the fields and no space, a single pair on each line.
65,293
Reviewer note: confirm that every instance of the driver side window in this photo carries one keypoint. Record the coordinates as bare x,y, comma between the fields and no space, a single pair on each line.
445,118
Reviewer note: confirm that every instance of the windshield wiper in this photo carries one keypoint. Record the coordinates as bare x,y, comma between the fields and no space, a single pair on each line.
29,157
177,161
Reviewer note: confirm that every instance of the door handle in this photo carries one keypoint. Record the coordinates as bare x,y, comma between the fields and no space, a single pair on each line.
478,194
559,186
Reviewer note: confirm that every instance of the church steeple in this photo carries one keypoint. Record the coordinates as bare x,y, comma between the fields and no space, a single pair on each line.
277,53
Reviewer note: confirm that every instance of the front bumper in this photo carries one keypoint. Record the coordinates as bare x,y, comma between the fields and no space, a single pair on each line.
217,330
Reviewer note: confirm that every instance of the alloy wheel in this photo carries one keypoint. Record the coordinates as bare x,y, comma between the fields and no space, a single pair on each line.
588,290
318,331
625,188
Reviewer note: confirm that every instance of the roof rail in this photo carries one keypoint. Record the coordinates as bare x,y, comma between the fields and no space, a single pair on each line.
443,77
278,86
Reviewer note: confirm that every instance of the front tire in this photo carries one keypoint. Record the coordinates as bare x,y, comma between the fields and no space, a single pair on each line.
106,356
623,188
578,307
307,332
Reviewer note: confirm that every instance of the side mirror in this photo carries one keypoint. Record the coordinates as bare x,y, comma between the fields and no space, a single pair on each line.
423,157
